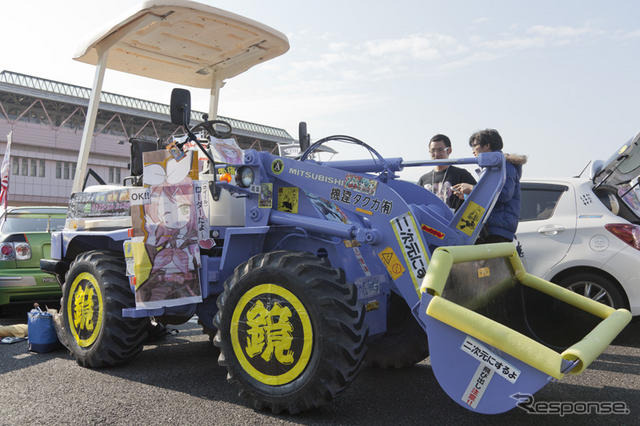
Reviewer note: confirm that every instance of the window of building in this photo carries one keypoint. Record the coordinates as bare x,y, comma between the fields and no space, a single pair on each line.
25,167
66,170
41,169
114,175
34,167
15,166
73,170
58,169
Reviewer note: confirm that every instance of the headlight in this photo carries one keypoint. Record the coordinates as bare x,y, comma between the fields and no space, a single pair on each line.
245,177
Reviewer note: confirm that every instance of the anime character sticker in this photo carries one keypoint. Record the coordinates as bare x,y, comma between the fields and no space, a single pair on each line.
226,151
161,168
167,217
361,184
266,196
327,209
171,246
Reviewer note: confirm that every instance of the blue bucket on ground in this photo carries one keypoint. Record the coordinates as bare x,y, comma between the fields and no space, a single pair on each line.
42,334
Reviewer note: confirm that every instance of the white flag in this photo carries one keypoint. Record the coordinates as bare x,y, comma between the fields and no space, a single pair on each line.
5,170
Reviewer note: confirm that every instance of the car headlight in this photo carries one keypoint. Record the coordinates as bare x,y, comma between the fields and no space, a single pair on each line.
245,177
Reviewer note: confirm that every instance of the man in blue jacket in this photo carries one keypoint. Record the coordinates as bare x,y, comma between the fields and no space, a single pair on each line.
503,220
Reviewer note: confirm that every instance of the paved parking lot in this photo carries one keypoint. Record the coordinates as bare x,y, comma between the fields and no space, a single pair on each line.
177,380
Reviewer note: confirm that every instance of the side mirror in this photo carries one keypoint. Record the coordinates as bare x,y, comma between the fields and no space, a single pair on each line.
180,107
304,139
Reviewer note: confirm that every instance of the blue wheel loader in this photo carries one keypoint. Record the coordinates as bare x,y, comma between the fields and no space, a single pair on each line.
302,271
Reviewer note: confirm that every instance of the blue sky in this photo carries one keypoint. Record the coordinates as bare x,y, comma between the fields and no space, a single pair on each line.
559,80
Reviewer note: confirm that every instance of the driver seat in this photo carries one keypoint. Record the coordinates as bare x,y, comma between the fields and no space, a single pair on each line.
138,147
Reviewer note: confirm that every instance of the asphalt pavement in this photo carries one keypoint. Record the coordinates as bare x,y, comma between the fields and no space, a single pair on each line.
177,381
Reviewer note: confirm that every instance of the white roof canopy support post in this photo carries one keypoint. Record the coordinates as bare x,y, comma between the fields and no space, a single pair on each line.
179,41
102,47
90,123
214,97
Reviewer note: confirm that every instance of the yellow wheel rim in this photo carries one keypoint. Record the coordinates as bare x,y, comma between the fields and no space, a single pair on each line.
271,334
85,309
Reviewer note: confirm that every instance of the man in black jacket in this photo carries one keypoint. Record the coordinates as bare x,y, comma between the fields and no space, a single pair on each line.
441,180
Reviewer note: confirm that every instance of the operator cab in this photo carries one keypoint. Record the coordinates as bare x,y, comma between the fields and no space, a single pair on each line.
165,40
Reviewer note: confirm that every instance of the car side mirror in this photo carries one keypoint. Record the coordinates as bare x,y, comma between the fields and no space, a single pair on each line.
180,107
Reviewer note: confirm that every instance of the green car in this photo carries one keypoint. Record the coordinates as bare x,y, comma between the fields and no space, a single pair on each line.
25,238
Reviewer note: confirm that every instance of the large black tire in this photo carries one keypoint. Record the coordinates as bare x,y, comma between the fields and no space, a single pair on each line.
317,331
405,342
93,328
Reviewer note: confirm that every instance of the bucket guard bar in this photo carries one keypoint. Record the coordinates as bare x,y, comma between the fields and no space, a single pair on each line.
486,366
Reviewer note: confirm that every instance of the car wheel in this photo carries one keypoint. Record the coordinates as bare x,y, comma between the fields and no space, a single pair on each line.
595,287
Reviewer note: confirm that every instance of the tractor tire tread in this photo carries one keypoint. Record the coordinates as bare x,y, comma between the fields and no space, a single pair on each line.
342,336
120,339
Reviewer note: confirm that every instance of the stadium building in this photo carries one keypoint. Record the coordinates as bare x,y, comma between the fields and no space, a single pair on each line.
47,118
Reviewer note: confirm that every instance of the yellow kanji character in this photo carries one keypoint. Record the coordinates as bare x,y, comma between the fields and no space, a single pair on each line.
83,309
270,333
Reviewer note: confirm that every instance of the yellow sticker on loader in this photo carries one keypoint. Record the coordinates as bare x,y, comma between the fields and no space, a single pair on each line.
484,272
391,262
470,218
288,199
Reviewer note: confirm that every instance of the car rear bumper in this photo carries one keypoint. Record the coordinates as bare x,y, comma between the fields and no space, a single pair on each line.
16,281
27,284
623,267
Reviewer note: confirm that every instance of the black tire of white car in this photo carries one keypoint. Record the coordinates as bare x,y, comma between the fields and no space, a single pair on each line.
95,291
595,287
291,331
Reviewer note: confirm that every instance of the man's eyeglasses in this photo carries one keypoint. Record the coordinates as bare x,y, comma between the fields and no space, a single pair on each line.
475,144
435,150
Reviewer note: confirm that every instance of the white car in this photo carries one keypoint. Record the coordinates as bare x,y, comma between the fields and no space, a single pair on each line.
584,233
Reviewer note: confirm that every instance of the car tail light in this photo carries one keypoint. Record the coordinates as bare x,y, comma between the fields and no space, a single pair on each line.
15,251
628,233
23,251
6,251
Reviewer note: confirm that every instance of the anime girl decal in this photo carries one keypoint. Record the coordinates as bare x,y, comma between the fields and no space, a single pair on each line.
169,227
329,210
170,221
226,151
171,244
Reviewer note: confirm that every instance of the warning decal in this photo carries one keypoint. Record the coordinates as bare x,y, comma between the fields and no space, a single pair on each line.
432,231
391,262
478,384
470,218
288,199
484,272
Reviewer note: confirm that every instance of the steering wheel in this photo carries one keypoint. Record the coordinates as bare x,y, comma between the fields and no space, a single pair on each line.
345,139
218,128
